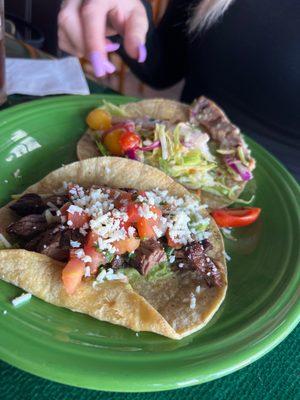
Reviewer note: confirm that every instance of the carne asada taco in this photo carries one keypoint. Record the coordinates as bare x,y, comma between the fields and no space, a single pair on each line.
117,240
196,145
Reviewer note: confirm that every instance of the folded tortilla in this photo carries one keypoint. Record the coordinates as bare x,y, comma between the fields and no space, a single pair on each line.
165,110
162,307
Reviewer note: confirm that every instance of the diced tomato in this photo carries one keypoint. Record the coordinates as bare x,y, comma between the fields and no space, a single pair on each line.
156,210
145,228
171,242
64,208
127,245
72,274
90,250
132,212
78,219
235,217
129,140
145,225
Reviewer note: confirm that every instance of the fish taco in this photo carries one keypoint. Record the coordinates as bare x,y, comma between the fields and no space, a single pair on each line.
117,240
196,145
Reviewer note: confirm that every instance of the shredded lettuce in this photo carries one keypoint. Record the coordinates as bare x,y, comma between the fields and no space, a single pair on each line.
189,166
102,148
113,110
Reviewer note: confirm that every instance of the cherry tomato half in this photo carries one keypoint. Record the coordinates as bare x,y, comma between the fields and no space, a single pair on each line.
111,141
129,140
99,119
235,217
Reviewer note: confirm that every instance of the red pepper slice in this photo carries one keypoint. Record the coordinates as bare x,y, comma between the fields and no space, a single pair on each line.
235,217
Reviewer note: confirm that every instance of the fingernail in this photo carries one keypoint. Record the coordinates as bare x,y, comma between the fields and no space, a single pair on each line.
112,47
109,67
142,53
97,62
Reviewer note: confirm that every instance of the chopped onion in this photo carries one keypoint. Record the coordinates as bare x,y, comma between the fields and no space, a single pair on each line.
50,218
132,154
152,146
239,168
126,125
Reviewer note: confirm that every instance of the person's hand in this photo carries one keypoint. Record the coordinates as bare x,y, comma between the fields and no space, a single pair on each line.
83,26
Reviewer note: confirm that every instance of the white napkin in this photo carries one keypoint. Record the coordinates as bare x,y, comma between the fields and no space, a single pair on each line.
45,77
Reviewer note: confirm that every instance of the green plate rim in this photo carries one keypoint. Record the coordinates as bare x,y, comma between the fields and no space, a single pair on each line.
289,319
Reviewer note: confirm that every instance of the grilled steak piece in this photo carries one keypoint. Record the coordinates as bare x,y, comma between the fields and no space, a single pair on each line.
206,244
28,204
206,113
147,255
28,226
71,234
55,242
193,256
49,245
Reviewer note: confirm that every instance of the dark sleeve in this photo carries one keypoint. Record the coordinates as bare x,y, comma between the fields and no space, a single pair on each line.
165,63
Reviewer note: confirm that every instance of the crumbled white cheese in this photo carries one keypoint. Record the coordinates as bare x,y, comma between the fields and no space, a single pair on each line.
227,256
157,232
75,209
144,211
82,231
70,223
87,272
110,275
131,231
17,174
80,253
20,300
101,276
147,142
180,265
172,258
87,259
198,289
193,301
226,231
75,243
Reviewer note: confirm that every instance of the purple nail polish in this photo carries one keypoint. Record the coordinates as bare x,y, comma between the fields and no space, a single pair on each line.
109,67
97,62
110,47
142,53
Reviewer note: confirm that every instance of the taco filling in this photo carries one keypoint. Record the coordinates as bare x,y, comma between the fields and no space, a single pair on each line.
198,147
111,234
148,257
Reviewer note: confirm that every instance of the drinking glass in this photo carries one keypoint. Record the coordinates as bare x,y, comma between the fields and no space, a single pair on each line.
2,55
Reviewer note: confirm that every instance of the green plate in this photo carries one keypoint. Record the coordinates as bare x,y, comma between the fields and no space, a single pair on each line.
260,309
